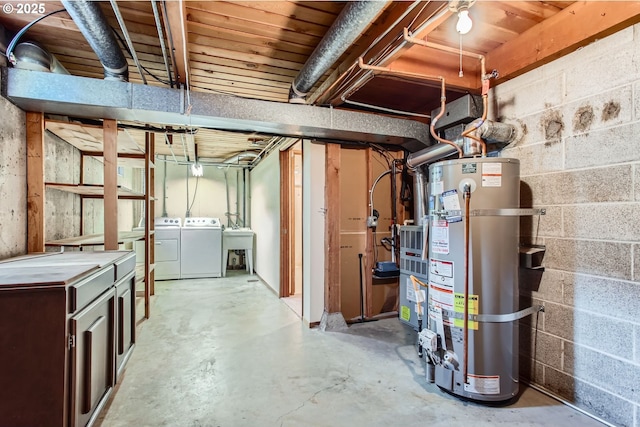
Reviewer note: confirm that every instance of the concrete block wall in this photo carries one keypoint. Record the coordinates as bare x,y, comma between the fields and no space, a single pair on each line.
580,159
13,181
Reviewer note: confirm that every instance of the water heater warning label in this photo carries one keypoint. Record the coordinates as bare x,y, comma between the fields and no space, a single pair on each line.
440,237
483,384
440,286
492,174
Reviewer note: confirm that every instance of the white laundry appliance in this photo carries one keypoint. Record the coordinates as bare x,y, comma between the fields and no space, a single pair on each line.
201,250
167,248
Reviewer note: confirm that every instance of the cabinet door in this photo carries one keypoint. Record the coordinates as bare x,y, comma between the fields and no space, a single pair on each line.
92,358
125,320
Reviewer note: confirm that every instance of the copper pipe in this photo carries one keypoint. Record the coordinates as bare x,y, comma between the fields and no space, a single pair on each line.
483,79
443,96
432,45
465,320
468,133
443,101
387,70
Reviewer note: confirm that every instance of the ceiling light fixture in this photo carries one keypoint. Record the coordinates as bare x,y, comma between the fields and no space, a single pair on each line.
464,22
461,7
196,169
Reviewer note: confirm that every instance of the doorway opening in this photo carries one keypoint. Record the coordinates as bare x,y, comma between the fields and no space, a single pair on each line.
291,227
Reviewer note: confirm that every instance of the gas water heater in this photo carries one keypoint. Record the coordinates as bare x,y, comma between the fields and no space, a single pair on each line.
471,342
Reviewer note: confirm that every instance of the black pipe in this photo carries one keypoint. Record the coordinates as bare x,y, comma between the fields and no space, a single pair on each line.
361,291
94,27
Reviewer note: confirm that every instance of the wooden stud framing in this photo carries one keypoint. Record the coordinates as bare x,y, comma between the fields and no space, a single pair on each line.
35,182
149,214
110,184
285,225
175,23
332,273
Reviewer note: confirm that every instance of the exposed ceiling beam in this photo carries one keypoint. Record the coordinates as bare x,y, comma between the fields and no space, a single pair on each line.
575,26
86,97
175,22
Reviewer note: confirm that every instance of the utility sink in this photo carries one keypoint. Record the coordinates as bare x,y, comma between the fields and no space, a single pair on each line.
237,239
237,232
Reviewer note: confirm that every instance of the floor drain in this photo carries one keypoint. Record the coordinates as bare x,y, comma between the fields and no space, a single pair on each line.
252,280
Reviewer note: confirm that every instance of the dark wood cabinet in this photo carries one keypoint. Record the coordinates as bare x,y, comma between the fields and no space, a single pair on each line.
67,328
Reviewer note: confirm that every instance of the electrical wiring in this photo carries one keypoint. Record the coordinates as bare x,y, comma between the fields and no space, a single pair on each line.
126,48
12,44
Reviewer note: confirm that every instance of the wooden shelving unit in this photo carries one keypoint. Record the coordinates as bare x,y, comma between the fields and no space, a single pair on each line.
113,147
94,191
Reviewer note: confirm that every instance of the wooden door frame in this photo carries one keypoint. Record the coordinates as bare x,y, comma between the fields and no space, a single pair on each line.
286,223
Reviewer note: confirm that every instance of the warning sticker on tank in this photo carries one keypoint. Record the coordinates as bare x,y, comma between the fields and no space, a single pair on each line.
440,287
458,307
483,384
440,300
443,270
451,202
440,237
492,174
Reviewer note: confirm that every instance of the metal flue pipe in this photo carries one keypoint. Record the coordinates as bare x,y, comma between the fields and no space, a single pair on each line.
94,27
348,26
429,155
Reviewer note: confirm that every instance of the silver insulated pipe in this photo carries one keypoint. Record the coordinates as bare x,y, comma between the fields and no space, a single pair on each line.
420,196
348,26
94,27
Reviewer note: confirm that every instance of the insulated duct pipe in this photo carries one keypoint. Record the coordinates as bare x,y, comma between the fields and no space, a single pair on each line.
32,56
352,21
94,27
419,196
489,130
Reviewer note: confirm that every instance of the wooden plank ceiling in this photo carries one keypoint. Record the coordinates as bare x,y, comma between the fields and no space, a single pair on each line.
255,49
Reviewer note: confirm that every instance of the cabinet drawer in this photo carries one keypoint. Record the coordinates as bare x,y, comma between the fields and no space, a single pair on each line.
125,265
85,291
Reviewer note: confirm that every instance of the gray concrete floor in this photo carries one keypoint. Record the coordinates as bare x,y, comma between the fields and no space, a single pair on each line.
227,352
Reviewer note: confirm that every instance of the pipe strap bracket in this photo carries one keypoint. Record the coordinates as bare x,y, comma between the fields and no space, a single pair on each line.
493,212
495,318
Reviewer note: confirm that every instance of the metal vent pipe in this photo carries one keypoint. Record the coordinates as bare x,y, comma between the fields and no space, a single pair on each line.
94,27
430,155
348,26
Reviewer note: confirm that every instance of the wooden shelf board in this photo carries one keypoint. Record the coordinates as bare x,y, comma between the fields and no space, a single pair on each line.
96,239
90,137
93,190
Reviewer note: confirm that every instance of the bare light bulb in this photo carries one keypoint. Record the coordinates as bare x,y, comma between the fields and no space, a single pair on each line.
196,169
464,22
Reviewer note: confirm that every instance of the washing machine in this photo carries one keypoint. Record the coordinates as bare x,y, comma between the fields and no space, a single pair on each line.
201,250
167,248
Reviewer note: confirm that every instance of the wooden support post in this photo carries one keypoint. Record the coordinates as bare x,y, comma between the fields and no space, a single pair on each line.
152,209
110,128
35,182
149,215
285,225
332,285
